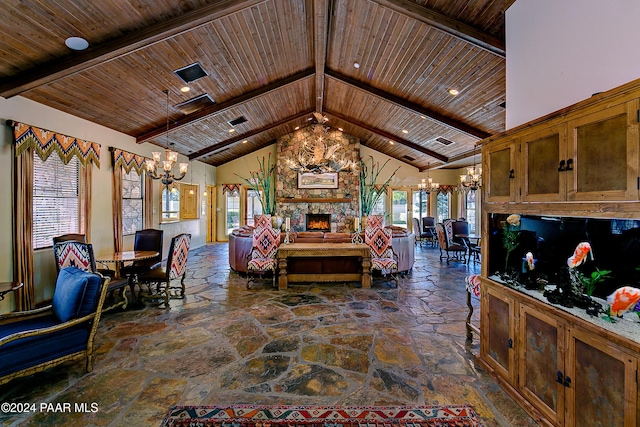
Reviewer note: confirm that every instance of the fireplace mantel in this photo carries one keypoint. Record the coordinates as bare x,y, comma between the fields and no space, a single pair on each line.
313,200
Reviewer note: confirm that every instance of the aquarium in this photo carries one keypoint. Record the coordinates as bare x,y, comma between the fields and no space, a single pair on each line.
614,244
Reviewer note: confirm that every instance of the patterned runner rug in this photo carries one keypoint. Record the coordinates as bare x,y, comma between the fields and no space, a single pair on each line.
322,416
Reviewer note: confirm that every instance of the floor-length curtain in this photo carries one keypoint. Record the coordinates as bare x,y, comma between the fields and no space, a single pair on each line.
117,209
85,183
148,201
23,229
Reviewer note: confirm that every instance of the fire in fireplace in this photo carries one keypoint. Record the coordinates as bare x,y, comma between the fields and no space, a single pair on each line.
318,222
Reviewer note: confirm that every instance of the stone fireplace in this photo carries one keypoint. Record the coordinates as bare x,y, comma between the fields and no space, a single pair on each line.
318,222
339,204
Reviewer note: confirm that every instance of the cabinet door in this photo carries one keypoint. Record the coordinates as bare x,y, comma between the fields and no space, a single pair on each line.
499,166
542,153
541,363
604,149
497,341
603,390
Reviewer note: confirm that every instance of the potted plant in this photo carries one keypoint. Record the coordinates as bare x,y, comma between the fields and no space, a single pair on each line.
262,182
370,192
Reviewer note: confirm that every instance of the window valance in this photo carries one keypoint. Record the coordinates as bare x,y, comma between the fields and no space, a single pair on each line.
127,160
446,189
234,189
44,142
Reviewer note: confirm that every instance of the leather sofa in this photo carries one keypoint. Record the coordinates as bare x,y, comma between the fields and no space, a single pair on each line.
240,241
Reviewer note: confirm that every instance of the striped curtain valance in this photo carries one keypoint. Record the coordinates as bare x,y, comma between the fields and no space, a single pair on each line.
44,142
446,189
233,189
128,161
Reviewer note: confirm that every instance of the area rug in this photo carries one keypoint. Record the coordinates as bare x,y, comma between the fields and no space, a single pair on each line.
322,416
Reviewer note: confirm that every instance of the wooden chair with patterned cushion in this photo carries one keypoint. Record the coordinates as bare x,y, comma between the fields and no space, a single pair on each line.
383,257
71,253
447,247
176,268
262,261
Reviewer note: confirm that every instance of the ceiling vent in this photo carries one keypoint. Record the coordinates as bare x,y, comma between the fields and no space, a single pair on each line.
195,104
191,72
237,121
409,158
444,141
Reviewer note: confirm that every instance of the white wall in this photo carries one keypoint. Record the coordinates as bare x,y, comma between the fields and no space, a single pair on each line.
561,52
26,111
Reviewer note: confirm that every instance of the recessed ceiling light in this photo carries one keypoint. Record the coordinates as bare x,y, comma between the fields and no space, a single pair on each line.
232,130
185,89
423,117
405,131
296,128
244,142
341,130
391,142
453,92
76,43
356,65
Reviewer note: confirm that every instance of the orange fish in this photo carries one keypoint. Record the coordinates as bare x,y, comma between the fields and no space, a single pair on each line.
579,255
623,299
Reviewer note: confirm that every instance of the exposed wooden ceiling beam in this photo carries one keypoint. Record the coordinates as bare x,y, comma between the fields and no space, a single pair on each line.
418,109
448,25
390,136
235,139
254,149
320,38
217,108
73,63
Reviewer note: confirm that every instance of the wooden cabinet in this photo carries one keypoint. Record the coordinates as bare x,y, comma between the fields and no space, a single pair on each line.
541,154
565,371
189,201
500,172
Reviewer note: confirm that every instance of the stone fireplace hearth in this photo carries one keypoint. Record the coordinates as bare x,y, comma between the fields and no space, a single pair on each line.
318,222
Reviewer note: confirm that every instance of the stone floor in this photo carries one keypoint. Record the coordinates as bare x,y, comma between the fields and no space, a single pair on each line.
311,344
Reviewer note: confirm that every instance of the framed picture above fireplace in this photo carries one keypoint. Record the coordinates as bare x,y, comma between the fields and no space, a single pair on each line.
318,180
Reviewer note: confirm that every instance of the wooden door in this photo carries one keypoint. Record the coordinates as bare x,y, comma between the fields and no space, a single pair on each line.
603,147
189,208
211,213
603,391
544,165
500,171
497,339
541,362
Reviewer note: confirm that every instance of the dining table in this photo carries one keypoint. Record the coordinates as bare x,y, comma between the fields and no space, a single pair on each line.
118,258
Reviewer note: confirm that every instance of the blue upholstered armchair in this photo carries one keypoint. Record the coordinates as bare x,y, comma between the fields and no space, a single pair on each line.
32,341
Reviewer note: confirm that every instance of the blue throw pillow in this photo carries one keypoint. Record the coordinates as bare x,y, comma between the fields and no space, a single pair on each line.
70,290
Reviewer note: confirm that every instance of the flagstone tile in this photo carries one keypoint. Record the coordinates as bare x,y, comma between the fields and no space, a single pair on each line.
312,380
331,355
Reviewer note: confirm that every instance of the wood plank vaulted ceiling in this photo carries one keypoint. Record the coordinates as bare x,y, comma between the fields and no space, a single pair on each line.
273,62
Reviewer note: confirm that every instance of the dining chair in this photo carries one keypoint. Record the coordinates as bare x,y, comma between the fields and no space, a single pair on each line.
261,260
176,268
148,239
447,245
420,235
72,253
429,227
78,237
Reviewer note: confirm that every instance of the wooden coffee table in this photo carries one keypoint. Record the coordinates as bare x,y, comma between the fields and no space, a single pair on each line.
319,250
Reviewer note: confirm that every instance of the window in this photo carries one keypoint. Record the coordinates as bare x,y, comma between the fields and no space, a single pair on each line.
253,206
170,204
420,204
131,203
56,207
443,211
232,211
470,209
400,208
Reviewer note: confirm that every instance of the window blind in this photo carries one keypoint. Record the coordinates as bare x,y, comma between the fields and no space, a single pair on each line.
55,199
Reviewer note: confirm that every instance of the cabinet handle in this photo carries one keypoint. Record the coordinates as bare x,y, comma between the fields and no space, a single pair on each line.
569,164
567,382
511,172
560,378
561,167
510,343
